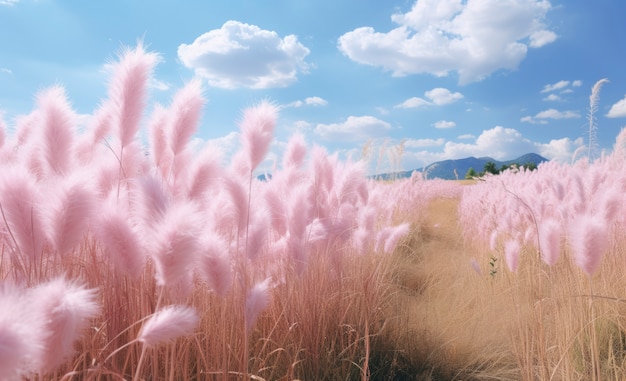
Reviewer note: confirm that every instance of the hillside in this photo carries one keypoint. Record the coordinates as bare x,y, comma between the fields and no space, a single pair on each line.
445,169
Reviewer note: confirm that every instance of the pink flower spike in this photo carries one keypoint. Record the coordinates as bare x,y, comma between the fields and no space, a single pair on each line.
66,308
589,240
257,299
168,324
511,254
257,129
550,241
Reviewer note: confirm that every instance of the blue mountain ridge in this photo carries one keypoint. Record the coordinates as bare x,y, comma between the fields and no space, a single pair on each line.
445,169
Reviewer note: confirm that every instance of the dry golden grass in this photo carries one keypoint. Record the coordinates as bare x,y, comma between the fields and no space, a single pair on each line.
452,323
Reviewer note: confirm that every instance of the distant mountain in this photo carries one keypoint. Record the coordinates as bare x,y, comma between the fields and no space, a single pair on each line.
445,169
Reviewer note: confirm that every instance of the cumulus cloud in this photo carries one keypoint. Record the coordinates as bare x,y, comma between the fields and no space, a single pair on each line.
355,128
242,55
310,101
444,124
473,38
541,117
438,96
618,110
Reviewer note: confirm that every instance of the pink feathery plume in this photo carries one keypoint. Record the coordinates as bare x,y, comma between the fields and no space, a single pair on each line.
239,199
168,324
397,233
151,200
550,241
185,111
295,152
58,125
511,254
66,308
215,266
114,232
160,152
67,214
589,239
257,129
204,173
3,128
127,91
25,125
176,244
257,299
20,204
22,334
257,238
276,209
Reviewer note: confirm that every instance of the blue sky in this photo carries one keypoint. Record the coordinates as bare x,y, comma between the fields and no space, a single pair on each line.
445,78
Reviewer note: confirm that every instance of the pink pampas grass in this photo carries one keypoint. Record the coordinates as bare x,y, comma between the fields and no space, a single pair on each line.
550,241
19,202
589,239
58,134
185,111
257,129
21,334
257,299
66,309
511,254
127,90
120,241
68,215
168,324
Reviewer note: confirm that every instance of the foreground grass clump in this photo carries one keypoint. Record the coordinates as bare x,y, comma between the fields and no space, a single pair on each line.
125,261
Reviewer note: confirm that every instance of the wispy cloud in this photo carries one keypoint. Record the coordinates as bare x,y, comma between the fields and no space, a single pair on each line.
241,55
355,128
561,85
541,117
438,96
4,70
310,101
9,2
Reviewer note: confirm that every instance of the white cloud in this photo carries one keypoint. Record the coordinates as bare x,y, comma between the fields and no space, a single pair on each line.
541,38
474,38
552,98
310,101
541,117
382,110
555,86
355,128
466,136
438,96
301,125
5,70
420,143
618,110
242,55
563,86
444,124
413,102
9,2
556,114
